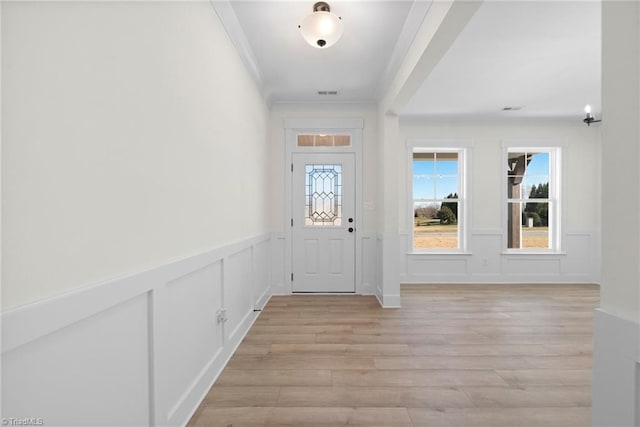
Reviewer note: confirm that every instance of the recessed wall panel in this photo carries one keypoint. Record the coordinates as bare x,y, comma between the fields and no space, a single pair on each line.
436,267
525,266
92,372
260,282
237,290
194,335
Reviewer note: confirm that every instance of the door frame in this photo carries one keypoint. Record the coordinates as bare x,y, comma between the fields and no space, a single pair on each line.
296,126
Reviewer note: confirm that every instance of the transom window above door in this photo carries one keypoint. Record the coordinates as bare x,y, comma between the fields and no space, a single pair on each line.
323,140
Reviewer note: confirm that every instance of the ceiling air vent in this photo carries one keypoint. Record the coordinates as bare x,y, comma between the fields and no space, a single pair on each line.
327,92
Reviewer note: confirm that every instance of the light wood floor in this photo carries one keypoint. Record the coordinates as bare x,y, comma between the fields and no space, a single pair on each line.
453,355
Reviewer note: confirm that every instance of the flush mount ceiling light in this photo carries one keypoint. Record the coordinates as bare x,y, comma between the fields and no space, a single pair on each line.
589,118
322,28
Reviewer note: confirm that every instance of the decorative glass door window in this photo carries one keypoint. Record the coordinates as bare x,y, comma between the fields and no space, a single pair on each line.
323,195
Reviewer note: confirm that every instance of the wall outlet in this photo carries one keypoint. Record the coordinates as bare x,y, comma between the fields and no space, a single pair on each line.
222,315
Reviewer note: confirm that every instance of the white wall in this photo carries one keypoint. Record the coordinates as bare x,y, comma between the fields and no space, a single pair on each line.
132,136
133,177
620,156
616,358
487,263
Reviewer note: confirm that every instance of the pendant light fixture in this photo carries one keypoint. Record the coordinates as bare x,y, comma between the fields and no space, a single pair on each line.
322,28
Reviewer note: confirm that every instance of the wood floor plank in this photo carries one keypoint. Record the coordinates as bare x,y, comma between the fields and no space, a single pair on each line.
254,349
571,349
560,362
406,397
530,396
260,328
365,321
453,355
252,338
389,339
341,416
456,362
506,417
288,361
231,396
542,339
557,377
419,378
363,349
302,416
482,350
275,377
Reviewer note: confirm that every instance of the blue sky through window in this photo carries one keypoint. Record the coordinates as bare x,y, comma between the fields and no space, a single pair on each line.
434,179
537,171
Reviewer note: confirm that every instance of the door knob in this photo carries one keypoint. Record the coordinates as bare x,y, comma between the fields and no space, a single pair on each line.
350,229
350,219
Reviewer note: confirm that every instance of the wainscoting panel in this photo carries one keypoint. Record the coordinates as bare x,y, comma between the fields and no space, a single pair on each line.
194,337
436,266
139,350
486,262
237,292
530,265
486,250
582,257
279,283
94,371
369,264
261,273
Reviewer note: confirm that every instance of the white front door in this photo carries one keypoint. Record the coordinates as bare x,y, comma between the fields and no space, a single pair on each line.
323,214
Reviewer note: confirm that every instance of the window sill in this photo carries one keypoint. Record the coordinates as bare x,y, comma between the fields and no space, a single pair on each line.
439,253
529,253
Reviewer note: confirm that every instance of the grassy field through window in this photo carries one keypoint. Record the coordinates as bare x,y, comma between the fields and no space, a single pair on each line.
535,237
430,234
433,235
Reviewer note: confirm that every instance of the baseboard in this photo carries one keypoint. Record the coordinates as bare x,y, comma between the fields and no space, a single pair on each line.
391,301
263,299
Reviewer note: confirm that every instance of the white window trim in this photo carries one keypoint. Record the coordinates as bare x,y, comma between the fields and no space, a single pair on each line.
556,165
464,148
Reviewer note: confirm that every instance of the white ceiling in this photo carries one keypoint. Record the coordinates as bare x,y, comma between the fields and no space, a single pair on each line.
292,71
543,56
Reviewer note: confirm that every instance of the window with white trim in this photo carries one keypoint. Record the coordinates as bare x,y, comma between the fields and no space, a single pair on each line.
438,199
532,199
